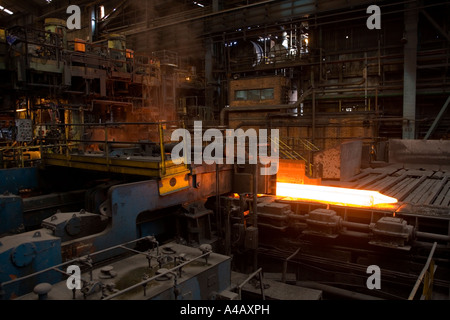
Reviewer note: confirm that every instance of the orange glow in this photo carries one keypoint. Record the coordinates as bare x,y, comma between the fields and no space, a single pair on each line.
236,195
333,195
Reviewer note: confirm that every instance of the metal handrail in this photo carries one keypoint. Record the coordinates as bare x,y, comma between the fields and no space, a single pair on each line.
170,271
285,264
308,145
19,157
74,261
161,143
287,150
35,147
425,272
259,271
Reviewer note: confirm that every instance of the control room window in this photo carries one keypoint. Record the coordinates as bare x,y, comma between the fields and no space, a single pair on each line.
254,94
241,95
267,94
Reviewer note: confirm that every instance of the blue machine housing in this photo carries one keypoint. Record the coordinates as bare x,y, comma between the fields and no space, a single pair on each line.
16,179
22,255
11,213
64,237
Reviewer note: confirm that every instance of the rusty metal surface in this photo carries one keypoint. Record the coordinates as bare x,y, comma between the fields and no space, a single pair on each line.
420,152
411,186
294,171
125,203
192,274
351,155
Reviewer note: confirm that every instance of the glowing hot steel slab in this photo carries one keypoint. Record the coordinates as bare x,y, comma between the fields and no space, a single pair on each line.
333,195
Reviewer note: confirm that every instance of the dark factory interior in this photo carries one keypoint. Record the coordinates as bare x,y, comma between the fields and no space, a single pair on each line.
224,150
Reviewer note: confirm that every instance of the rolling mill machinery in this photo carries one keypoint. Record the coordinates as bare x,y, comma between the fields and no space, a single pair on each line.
276,229
81,130
142,226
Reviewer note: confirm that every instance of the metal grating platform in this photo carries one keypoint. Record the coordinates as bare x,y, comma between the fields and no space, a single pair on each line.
144,166
417,187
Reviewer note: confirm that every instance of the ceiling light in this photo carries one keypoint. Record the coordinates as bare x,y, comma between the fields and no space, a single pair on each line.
6,10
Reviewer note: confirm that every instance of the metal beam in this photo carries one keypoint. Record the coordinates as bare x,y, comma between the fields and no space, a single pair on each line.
438,119
436,25
424,271
170,20
141,167
25,6
410,72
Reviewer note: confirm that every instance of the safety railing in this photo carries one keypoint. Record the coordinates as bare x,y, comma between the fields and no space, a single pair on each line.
285,265
50,46
59,268
167,57
39,43
270,60
289,151
112,140
24,156
55,273
258,273
426,278
122,60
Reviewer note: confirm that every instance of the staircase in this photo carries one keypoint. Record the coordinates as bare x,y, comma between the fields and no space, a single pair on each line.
297,149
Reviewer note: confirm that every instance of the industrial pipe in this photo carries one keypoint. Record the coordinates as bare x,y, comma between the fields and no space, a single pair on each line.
225,111
356,225
432,236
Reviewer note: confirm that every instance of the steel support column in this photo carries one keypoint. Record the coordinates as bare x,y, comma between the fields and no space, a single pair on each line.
216,5
436,25
211,82
410,72
437,119
209,75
